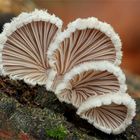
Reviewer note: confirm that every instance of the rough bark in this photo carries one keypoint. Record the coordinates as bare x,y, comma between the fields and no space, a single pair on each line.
29,112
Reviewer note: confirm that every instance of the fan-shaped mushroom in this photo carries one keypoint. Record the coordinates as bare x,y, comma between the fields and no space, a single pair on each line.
90,79
24,44
110,113
84,40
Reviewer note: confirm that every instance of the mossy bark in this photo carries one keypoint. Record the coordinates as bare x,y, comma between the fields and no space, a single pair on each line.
40,111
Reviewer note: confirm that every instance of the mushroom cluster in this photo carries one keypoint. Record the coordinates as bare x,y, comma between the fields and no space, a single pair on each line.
80,65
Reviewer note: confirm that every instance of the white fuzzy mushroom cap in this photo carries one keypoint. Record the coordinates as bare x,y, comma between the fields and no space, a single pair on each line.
97,66
65,85
21,20
90,23
107,100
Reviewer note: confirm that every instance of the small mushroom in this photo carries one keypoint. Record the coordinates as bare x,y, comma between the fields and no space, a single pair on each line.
90,79
24,43
111,113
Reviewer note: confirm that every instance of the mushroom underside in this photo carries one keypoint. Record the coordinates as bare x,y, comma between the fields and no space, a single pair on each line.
87,84
24,55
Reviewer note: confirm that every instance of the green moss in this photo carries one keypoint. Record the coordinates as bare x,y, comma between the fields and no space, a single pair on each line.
59,132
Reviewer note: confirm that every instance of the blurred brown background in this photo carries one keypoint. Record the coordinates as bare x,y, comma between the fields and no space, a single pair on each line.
123,15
